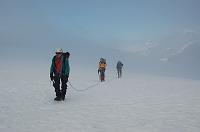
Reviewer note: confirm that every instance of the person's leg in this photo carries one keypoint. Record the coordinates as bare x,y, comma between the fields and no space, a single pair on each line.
103,75
64,80
56,85
120,73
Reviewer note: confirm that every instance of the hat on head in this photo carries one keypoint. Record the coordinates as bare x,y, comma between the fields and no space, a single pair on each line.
59,50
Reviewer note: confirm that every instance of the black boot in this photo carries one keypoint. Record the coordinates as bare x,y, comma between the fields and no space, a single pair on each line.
57,98
63,98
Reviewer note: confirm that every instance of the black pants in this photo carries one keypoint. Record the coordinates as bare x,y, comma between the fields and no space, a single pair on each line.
119,73
102,75
60,92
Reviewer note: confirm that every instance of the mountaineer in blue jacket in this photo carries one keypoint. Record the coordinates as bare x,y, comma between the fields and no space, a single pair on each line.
60,71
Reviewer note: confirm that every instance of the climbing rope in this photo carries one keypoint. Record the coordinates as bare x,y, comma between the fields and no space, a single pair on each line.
89,87
85,89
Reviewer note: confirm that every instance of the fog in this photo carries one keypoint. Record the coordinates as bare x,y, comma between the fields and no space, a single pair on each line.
161,40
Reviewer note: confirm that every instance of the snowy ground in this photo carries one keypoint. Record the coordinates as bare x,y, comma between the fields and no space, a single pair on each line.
135,103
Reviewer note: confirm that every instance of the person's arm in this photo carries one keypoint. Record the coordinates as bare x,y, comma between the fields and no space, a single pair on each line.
52,68
67,67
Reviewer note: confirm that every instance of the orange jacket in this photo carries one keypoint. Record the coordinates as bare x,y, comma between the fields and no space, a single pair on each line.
102,65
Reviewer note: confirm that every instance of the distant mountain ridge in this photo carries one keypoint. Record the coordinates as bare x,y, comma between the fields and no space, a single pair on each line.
178,53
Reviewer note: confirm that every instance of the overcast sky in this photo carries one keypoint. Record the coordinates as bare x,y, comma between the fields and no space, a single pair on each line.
29,24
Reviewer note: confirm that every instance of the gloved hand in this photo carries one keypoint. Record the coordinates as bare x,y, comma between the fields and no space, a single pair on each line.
51,76
98,71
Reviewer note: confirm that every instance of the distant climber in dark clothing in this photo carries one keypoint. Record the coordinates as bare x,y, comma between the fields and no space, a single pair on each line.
119,69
